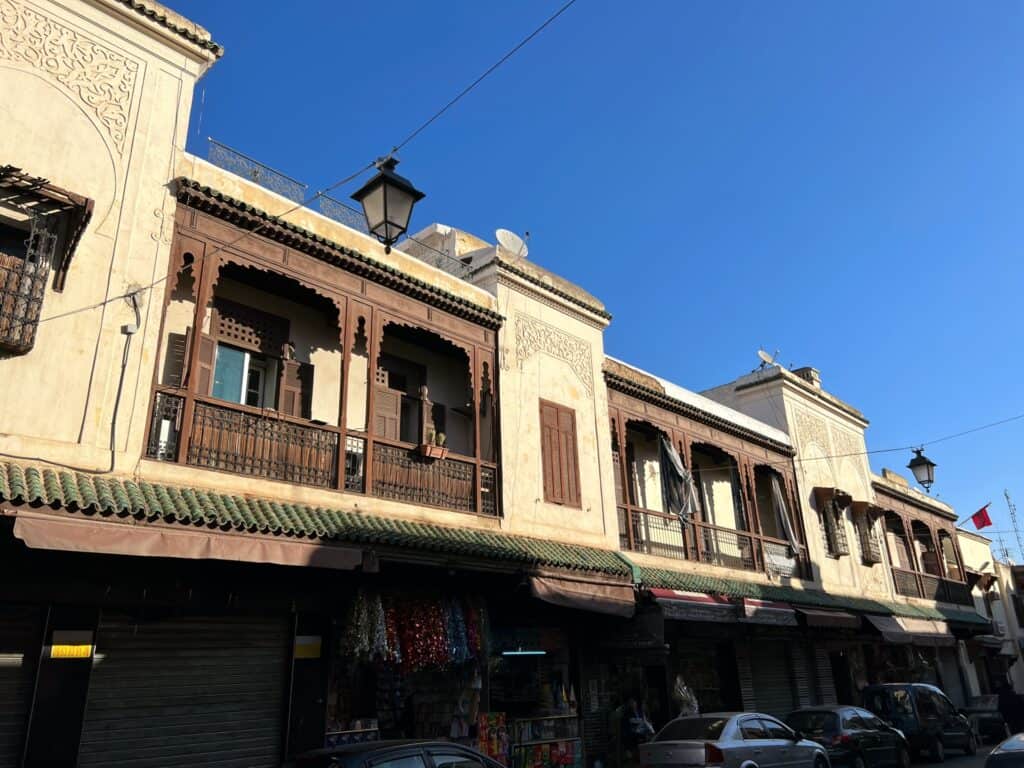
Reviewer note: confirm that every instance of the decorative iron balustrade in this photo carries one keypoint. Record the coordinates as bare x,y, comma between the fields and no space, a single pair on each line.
931,587
343,213
958,592
489,491
655,533
242,165
246,443
165,427
23,276
726,548
404,475
355,463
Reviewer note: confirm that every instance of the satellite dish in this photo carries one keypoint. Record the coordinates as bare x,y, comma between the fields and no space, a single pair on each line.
511,242
766,359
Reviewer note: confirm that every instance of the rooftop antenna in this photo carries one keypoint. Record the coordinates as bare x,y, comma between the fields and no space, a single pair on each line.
1002,549
511,242
1013,522
766,359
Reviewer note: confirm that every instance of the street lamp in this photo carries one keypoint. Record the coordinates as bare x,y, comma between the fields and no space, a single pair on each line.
387,201
923,469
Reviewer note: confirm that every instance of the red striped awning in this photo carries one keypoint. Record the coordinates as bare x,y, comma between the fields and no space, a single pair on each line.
756,611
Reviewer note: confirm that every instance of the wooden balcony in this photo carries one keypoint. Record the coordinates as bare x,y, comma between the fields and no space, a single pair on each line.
930,587
250,441
655,533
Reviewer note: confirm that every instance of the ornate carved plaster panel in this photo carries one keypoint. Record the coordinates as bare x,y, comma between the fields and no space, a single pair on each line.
533,335
100,77
811,429
846,443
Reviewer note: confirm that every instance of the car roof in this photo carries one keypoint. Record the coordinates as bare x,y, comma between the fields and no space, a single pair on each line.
826,708
387,745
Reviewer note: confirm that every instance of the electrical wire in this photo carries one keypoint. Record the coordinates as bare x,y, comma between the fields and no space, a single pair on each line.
423,126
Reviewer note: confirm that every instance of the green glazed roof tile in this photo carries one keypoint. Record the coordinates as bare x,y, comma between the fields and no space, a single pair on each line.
82,493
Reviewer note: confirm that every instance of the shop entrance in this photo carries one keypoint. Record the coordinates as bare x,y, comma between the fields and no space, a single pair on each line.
20,631
841,678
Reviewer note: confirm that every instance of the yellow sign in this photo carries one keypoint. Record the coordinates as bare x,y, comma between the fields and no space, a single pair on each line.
71,644
70,651
307,646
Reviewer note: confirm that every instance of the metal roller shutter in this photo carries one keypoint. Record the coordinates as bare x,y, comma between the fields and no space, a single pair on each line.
20,630
745,676
772,678
187,692
949,675
826,683
801,674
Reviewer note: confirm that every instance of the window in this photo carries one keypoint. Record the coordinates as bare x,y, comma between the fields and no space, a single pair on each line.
40,225
753,729
870,547
244,377
853,722
814,722
454,760
926,703
833,524
775,729
559,455
405,761
699,728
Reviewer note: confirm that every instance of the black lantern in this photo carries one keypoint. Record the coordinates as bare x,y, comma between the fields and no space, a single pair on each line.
923,469
387,201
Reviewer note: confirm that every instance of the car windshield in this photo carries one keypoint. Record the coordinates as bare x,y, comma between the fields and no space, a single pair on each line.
693,728
813,723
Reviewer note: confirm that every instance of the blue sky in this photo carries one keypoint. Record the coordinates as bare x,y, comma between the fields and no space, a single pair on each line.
839,181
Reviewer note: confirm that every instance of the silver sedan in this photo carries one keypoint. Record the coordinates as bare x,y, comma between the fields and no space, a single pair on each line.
731,740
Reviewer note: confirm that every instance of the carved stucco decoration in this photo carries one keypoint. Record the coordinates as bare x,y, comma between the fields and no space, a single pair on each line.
100,77
846,443
534,335
812,430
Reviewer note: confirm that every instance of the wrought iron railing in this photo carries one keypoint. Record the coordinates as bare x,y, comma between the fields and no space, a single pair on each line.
248,443
726,548
165,427
402,474
932,587
343,213
242,165
655,533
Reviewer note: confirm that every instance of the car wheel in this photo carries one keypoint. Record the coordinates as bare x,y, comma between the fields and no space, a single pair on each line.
937,752
903,758
972,745
858,762
820,762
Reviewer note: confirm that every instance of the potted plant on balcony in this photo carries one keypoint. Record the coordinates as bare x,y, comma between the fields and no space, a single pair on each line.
434,446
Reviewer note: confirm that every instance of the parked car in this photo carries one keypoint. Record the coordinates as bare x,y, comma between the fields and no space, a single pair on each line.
1009,754
983,712
731,740
926,717
853,738
396,754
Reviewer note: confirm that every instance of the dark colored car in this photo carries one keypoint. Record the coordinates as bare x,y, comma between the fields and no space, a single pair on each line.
1009,754
396,754
983,712
853,737
926,717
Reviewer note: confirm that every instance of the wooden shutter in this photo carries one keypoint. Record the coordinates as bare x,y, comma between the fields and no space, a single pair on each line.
295,395
559,455
387,413
207,355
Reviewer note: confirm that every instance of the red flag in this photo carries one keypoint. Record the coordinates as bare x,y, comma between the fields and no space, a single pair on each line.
981,518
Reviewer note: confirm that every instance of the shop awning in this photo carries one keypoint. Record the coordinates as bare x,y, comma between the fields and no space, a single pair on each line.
49,531
599,596
1008,649
694,606
891,629
928,631
989,642
902,630
755,611
829,619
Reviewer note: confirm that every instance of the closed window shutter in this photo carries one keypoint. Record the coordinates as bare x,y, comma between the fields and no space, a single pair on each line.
295,395
559,456
571,470
207,355
387,413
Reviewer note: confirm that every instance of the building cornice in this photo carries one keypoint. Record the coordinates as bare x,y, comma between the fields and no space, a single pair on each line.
641,392
912,497
807,389
177,26
505,266
245,216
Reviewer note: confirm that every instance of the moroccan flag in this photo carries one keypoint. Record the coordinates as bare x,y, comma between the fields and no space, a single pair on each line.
981,518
